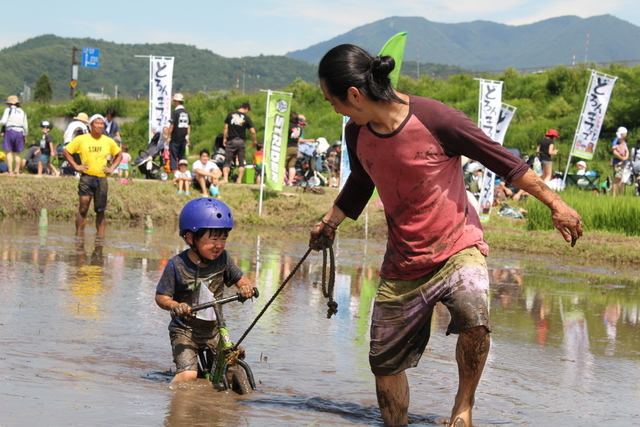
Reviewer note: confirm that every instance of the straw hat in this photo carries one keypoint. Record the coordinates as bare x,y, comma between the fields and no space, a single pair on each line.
82,117
12,100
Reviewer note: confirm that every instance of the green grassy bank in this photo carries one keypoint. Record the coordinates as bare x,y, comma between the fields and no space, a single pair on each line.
293,213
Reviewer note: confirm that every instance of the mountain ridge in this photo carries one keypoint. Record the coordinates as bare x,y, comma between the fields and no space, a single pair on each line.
475,45
486,45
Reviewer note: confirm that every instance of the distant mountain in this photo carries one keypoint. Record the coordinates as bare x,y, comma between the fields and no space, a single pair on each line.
194,70
483,45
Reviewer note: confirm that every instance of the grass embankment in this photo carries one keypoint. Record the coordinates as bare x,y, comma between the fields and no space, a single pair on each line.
293,212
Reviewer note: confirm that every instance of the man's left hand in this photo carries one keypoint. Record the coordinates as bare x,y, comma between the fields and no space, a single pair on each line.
568,222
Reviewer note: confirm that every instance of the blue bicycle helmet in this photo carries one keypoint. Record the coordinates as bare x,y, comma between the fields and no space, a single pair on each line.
205,212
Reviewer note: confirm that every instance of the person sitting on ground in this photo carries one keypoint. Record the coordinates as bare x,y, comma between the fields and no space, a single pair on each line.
196,276
206,174
501,191
29,159
183,177
473,178
4,167
582,167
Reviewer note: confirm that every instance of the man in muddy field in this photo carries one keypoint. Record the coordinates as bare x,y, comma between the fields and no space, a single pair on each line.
410,149
93,148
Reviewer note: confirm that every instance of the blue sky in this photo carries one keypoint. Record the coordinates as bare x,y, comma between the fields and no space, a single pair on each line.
273,27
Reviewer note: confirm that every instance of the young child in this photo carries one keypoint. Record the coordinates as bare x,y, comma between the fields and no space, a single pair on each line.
123,167
195,276
257,162
183,177
46,149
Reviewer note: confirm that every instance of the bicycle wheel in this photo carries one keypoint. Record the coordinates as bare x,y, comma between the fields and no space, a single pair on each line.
238,380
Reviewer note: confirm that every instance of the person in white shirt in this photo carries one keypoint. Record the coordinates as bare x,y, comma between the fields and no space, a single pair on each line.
206,174
183,177
14,129
79,126
582,167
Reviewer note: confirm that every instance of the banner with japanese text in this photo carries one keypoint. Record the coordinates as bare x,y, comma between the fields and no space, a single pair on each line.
594,109
275,138
490,104
160,93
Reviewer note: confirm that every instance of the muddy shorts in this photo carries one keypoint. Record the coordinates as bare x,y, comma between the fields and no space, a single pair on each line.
185,344
401,318
90,185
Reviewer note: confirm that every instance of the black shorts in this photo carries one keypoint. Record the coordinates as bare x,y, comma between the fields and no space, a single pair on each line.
96,187
235,147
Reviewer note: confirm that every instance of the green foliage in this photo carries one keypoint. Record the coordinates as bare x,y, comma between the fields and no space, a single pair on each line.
44,91
195,69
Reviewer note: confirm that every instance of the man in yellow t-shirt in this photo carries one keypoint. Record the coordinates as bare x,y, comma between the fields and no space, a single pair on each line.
93,148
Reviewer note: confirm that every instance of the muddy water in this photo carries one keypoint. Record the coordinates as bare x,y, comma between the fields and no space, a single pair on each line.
83,343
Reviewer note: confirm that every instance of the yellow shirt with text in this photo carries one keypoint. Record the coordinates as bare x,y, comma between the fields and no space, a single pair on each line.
93,152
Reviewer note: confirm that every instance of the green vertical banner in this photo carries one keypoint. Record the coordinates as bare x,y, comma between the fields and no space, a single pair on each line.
275,138
394,48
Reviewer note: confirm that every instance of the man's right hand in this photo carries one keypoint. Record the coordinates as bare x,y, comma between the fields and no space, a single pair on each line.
322,236
180,310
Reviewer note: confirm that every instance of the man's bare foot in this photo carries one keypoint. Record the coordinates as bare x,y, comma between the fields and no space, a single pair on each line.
446,421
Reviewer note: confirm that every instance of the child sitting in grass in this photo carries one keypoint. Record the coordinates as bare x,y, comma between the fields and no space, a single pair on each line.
183,177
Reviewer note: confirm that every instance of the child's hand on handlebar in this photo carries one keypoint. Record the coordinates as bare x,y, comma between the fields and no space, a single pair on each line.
180,310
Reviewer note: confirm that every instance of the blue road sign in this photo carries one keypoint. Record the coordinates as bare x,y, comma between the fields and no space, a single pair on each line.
90,57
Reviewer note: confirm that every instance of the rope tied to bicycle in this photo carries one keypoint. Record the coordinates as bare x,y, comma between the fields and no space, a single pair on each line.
327,289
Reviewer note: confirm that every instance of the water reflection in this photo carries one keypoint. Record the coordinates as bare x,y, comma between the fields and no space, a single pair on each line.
564,338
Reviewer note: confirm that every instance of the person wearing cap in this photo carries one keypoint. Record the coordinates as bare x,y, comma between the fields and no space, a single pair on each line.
582,167
78,126
546,148
180,131
182,177
15,128
93,148
234,140
46,149
621,133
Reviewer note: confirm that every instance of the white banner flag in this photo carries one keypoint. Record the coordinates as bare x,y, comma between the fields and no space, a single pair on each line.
488,120
160,93
504,119
594,109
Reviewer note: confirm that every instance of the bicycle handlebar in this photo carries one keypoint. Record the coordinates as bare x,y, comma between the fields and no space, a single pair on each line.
236,297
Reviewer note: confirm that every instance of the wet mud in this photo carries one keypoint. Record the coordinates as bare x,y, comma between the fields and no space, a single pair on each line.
83,342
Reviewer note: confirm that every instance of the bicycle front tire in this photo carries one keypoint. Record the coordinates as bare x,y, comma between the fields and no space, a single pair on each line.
238,381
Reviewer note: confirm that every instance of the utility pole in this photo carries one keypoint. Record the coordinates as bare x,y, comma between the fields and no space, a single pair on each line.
586,49
244,73
74,70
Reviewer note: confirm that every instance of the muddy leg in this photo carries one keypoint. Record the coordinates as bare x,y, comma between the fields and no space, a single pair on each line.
471,355
393,398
